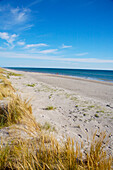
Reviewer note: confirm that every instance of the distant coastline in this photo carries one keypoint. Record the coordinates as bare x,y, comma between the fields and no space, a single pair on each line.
99,75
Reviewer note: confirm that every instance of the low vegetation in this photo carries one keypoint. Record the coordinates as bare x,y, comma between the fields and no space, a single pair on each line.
32,149
6,88
48,126
96,115
1,70
31,85
13,74
50,96
46,153
50,108
100,111
90,107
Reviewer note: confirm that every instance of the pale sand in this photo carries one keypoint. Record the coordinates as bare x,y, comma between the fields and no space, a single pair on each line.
82,106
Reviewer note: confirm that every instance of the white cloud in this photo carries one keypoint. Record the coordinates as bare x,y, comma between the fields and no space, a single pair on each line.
20,14
21,43
34,3
26,27
81,54
14,18
4,35
48,51
36,45
9,38
66,46
12,38
52,58
1,47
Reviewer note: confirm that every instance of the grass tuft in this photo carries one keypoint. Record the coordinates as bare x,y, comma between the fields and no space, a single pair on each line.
100,111
50,108
6,89
48,126
31,85
96,115
14,111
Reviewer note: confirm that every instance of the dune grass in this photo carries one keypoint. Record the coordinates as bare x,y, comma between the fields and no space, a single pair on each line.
31,149
46,153
1,70
6,89
14,111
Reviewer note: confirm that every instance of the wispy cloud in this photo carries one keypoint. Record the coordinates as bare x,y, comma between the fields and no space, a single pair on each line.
8,38
36,45
1,47
20,15
21,43
81,54
4,35
48,51
66,46
34,3
14,17
26,27
52,58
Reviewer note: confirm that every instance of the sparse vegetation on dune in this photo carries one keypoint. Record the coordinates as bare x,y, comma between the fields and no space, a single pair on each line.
50,108
44,152
47,126
31,85
6,88
13,74
1,70
31,149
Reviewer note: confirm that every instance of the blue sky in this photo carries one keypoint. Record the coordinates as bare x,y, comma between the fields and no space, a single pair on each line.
56,33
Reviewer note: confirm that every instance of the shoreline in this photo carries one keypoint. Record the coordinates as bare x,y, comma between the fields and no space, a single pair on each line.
101,91
66,76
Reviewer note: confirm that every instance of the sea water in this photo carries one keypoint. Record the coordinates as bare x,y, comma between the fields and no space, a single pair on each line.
100,75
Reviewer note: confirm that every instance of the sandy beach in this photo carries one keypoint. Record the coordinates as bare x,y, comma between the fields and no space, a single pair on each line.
79,106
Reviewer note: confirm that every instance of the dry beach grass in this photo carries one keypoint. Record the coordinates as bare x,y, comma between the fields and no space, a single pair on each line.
29,146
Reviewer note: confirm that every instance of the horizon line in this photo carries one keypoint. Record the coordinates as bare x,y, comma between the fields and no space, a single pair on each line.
58,68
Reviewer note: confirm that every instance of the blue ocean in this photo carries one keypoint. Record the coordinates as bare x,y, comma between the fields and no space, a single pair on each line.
100,75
